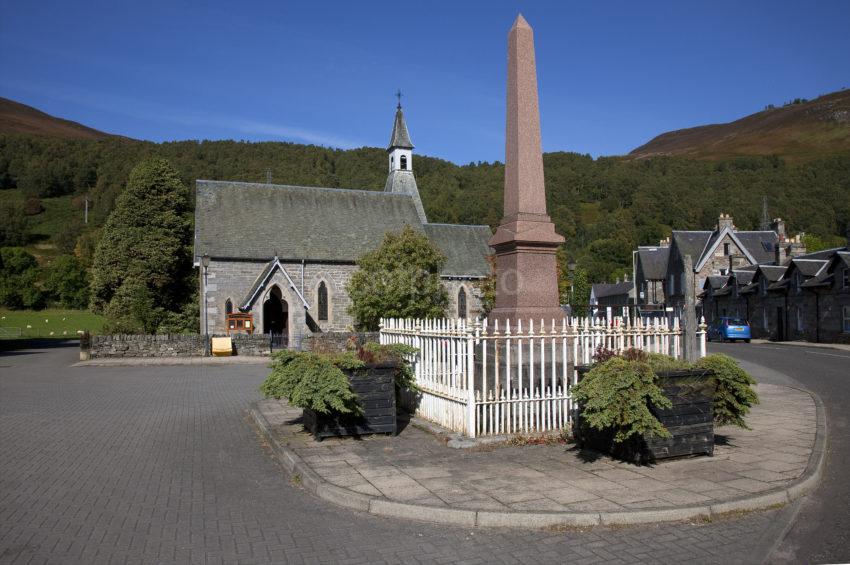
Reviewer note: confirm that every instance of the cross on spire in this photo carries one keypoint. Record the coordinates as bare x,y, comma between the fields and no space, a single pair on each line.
398,95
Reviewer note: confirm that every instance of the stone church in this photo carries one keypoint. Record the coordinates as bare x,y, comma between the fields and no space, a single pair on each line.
278,257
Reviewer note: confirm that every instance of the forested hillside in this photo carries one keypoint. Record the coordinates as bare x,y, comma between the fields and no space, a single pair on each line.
604,207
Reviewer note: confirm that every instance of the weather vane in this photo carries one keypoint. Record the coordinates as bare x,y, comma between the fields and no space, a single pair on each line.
398,95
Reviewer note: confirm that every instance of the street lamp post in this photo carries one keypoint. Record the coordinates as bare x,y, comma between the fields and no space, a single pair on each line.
205,262
571,267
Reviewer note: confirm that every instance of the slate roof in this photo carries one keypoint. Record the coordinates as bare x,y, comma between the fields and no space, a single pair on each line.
772,272
692,243
808,267
465,248
716,281
654,262
400,137
760,244
261,221
238,220
602,290
744,277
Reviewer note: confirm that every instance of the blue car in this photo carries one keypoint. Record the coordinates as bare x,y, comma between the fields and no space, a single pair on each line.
729,329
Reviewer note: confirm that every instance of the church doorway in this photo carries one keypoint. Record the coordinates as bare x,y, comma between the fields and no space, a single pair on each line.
276,318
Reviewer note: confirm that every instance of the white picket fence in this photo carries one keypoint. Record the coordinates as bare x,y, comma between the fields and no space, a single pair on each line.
482,379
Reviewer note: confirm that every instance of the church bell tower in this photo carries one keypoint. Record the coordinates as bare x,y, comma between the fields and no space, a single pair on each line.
400,179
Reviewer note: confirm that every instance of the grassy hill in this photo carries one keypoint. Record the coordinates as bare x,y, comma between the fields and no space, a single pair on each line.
20,118
798,131
604,207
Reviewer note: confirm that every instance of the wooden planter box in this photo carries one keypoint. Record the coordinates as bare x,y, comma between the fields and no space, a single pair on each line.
690,421
374,386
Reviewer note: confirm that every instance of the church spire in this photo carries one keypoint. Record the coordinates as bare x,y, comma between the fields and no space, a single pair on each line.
400,138
400,179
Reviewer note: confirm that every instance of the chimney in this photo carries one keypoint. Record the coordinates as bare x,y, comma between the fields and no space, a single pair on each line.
725,221
778,225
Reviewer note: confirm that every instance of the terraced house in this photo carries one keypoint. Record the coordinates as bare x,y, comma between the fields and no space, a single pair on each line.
276,259
807,299
660,270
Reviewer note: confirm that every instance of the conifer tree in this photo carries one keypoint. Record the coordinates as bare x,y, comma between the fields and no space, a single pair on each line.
145,245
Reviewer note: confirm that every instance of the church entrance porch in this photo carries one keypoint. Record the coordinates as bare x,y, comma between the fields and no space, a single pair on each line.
276,319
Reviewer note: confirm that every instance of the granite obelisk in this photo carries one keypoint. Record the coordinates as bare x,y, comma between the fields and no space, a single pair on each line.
525,242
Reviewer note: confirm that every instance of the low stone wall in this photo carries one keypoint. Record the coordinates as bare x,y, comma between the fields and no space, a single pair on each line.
180,345
332,342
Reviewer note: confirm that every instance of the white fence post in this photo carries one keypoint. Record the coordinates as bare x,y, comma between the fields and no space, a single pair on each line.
470,381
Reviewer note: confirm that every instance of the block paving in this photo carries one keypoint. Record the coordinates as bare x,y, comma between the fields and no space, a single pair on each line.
161,465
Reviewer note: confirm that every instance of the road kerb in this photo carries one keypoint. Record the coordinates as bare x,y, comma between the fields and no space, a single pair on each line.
380,506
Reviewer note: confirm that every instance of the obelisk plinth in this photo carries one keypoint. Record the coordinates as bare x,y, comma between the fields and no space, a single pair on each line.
525,241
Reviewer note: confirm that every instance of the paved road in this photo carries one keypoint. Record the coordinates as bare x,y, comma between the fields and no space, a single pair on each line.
820,529
159,464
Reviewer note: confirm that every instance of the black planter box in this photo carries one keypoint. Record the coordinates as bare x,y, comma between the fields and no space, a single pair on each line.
690,421
374,386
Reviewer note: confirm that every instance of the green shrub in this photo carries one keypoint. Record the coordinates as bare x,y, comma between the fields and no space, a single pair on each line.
661,363
734,395
616,394
311,381
316,381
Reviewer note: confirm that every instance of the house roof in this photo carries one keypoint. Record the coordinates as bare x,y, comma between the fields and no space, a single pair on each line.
692,243
653,261
808,267
260,221
772,273
400,137
603,290
715,281
744,277
760,244
465,248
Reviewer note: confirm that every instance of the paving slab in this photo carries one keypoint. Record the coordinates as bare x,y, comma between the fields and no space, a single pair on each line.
779,456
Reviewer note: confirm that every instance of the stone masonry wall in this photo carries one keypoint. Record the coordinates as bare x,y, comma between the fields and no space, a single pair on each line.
192,345
233,279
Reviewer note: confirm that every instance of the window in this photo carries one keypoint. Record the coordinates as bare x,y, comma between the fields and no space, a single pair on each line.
726,249
799,315
228,307
846,326
764,318
461,303
763,286
797,283
846,279
323,302
723,272
403,161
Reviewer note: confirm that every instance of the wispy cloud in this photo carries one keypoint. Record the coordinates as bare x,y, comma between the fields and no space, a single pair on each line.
141,109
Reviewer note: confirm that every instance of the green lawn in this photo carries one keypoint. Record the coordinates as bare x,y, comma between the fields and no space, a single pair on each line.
51,322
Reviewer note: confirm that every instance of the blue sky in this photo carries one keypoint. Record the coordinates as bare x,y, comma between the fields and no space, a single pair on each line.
611,74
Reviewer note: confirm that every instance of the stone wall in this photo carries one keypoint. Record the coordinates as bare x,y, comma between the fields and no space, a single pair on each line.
231,280
190,345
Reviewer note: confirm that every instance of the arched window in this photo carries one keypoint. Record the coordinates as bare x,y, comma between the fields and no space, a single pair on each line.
461,303
323,302
403,161
228,308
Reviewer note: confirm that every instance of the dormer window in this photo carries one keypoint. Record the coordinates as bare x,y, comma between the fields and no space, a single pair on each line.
797,282
726,249
763,286
403,162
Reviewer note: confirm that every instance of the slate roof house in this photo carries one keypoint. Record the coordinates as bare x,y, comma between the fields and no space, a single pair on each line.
717,252
280,256
614,295
807,299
